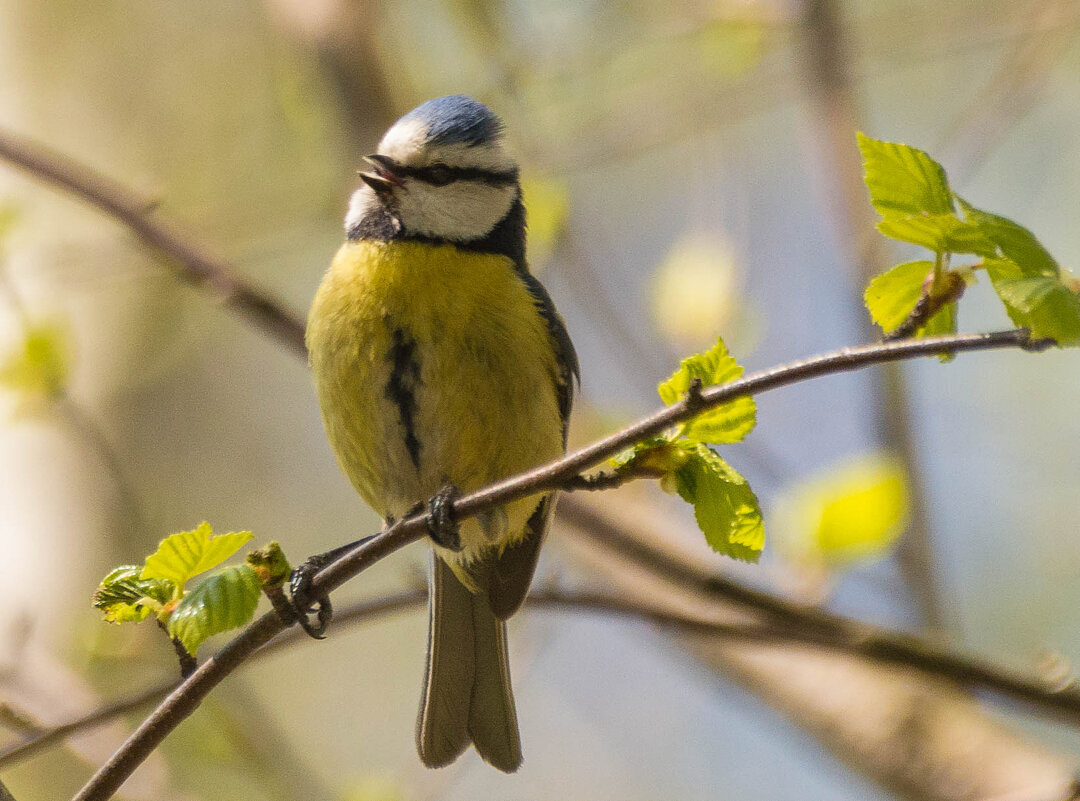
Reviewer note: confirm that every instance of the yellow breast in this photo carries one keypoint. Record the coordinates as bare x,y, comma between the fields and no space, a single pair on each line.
433,365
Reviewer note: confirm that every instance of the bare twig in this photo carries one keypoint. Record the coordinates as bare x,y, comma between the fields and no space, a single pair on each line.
191,264
794,625
812,626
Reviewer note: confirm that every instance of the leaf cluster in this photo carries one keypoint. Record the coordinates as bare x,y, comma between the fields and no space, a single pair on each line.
223,600
911,192
726,509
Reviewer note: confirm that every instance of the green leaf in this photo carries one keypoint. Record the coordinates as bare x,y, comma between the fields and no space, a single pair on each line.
903,180
125,597
657,455
941,324
188,553
1044,304
37,370
942,233
891,297
725,507
1016,242
223,600
728,422
851,513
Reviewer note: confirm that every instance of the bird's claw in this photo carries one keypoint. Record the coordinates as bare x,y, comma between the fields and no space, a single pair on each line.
303,606
442,526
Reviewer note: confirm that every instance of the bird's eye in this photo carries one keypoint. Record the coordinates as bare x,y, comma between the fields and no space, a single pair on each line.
438,174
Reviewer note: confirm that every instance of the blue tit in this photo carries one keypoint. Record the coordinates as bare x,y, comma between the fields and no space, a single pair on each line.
440,361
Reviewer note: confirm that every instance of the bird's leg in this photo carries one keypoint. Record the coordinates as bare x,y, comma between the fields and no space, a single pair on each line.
442,526
300,586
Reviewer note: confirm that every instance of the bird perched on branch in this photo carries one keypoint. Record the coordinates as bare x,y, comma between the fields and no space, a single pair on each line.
441,366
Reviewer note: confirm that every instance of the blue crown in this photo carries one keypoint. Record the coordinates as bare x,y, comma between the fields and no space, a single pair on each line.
457,119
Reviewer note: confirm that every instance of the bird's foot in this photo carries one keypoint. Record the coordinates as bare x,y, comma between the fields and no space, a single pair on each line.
303,604
442,526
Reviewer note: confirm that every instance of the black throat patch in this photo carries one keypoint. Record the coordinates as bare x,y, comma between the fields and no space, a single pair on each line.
507,238
402,386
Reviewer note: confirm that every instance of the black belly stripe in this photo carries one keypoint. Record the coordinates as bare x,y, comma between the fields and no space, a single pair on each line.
401,388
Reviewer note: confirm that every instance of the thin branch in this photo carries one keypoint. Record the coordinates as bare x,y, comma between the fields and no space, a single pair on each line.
800,626
190,263
351,615
813,626
183,701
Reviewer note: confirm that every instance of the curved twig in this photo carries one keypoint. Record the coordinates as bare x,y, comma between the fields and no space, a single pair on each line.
183,701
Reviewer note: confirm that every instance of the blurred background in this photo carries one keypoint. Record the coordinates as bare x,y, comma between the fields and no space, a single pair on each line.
690,171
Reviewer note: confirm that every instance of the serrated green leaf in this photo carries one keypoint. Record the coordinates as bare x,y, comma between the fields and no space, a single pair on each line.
1044,304
851,513
223,600
903,180
942,233
37,370
891,296
125,597
1016,242
728,422
725,507
185,554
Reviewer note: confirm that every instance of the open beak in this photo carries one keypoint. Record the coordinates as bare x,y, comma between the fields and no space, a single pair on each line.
382,178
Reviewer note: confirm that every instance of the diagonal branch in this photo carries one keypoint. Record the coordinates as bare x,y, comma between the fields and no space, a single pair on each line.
189,263
183,701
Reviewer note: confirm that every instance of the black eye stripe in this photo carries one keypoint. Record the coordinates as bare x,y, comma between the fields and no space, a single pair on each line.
432,175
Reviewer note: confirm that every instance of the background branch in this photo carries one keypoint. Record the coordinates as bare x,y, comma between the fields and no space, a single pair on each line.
783,623
190,264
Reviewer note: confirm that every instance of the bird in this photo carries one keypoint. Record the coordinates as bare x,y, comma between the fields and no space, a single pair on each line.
441,365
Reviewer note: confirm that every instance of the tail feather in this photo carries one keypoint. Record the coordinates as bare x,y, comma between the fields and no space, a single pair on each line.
442,729
467,693
493,724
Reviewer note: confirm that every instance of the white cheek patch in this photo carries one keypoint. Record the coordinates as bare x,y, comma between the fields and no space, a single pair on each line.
460,211
404,142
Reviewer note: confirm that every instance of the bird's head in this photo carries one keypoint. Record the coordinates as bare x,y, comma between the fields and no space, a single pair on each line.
441,171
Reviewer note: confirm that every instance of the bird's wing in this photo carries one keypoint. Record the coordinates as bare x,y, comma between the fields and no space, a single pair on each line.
511,573
565,355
